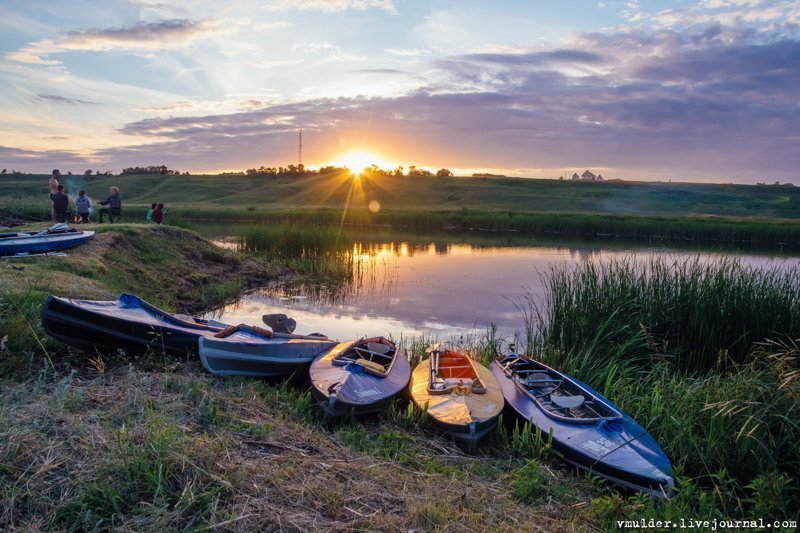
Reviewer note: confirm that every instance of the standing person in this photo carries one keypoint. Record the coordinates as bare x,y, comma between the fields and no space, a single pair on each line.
158,214
60,204
149,217
53,190
114,203
83,206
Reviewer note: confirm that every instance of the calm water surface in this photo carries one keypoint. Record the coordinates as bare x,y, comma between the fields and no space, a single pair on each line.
445,289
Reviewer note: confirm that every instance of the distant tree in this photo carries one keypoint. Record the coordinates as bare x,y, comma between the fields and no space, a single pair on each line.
69,173
151,169
88,172
398,171
414,171
330,169
4,172
443,173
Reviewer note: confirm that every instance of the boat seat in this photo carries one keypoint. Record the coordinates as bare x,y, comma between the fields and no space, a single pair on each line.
539,379
567,402
377,367
449,383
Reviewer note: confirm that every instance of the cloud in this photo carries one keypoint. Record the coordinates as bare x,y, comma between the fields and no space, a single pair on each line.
143,36
389,71
331,51
330,6
671,103
10,157
172,106
57,99
536,59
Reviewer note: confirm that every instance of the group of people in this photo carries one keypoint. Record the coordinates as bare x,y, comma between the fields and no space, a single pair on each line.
156,214
83,205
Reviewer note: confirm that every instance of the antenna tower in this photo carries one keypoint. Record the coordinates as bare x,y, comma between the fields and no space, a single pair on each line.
300,147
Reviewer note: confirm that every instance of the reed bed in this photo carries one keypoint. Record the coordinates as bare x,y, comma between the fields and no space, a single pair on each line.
696,315
702,354
726,230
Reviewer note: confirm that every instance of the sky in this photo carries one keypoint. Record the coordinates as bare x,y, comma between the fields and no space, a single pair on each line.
678,90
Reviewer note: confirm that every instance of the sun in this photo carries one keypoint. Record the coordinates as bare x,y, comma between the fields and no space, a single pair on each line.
358,160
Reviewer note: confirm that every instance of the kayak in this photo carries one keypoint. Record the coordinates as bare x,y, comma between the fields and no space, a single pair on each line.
460,396
57,237
127,323
360,377
587,429
254,351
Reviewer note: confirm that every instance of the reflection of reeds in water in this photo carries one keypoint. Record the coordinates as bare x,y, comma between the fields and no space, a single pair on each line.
333,266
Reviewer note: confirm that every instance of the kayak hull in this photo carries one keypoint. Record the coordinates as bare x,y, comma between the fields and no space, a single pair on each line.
619,450
344,391
37,244
128,323
259,355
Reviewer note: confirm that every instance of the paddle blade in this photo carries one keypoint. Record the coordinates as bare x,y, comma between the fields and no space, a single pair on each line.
433,348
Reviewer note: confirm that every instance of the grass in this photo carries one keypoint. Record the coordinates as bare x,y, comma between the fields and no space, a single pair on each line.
117,441
680,212
703,355
696,315
173,268
146,453
255,194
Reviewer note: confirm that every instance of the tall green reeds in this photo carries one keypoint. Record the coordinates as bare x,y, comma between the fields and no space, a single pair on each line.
314,251
686,229
704,355
696,315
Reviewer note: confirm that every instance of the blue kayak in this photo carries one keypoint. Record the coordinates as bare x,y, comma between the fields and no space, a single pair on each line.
58,237
588,430
359,377
254,351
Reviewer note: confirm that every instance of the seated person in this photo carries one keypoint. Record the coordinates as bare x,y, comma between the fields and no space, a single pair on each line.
83,207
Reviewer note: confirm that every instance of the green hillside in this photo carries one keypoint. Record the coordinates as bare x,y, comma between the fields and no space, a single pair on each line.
485,194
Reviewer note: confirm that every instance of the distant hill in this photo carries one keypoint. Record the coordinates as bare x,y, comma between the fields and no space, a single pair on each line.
439,193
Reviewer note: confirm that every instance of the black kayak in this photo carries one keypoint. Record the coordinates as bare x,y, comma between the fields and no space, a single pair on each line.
127,323
360,377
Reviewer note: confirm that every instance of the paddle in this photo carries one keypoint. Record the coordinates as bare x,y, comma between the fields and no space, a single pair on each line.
434,350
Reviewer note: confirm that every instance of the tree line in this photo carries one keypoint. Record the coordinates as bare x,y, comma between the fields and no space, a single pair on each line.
288,170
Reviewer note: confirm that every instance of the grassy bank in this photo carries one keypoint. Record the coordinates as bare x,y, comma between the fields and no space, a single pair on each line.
170,267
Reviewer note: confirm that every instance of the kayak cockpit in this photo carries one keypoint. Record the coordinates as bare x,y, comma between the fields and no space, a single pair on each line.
453,372
556,394
373,355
